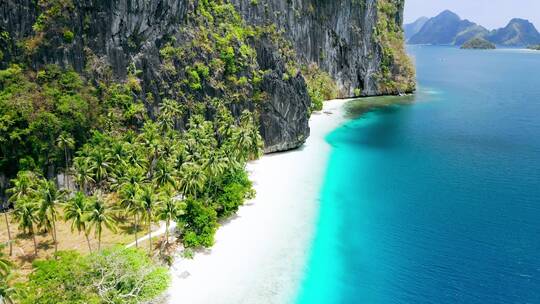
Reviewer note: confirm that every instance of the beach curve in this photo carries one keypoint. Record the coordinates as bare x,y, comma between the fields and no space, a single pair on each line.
260,253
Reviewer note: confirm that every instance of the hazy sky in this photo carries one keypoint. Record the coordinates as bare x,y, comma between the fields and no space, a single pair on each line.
489,13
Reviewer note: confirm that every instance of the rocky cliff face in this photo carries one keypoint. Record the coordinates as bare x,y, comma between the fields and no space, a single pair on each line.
355,41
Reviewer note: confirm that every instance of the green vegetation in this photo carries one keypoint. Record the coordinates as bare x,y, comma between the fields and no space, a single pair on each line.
534,47
50,27
129,158
6,290
320,85
115,275
478,44
218,58
397,73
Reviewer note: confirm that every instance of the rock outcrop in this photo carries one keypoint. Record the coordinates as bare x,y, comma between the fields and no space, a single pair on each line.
112,38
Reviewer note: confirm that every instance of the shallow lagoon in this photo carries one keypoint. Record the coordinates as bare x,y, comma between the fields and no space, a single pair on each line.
437,201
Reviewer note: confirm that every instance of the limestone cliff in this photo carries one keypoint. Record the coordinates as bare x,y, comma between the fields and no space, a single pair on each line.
358,42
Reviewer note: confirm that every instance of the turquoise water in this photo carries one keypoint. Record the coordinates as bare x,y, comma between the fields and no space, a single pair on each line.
438,201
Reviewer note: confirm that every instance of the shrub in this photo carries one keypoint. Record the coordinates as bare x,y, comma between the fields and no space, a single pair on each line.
320,86
116,275
200,224
68,36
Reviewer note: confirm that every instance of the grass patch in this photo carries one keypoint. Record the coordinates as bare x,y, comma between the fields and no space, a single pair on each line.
23,246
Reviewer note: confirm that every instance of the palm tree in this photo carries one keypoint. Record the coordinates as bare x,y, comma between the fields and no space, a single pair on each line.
248,140
5,265
164,174
99,164
148,200
26,213
151,139
99,216
24,186
215,166
76,210
6,291
5,272
129,194
169,210
66,143
170,111
83,173
49,197
192,179
8,232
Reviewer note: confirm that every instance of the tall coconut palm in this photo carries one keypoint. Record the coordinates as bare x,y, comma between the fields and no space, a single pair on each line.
170,208
83,172
26,214
49,198
100,216
129,193
6,291
5,265
151,139
148,200
6,218
76,211
164,174
215,166
24,186
65,142
192,179
248,139
100,165
170,112
5,273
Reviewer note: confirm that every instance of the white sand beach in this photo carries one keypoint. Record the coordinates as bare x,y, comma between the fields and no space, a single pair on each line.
259,254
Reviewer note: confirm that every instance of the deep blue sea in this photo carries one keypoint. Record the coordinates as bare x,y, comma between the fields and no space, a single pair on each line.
437,201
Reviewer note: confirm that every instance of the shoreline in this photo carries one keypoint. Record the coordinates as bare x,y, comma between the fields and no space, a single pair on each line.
260,253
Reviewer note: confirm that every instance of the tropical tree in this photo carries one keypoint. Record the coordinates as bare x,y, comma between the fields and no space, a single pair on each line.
215,166
5,265
100,216
129,193
164,174
148,200
6,218
248,140
118,151
26,214
76,210
65,142
24,187
100,165
49,198
192,179
83,173
170,209
169,113
6,291
151,139
5,272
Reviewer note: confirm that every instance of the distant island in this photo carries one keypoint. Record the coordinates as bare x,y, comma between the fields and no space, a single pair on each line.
534,47
478,44
448,28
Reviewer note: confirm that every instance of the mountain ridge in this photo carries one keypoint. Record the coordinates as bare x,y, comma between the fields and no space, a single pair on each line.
447,28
